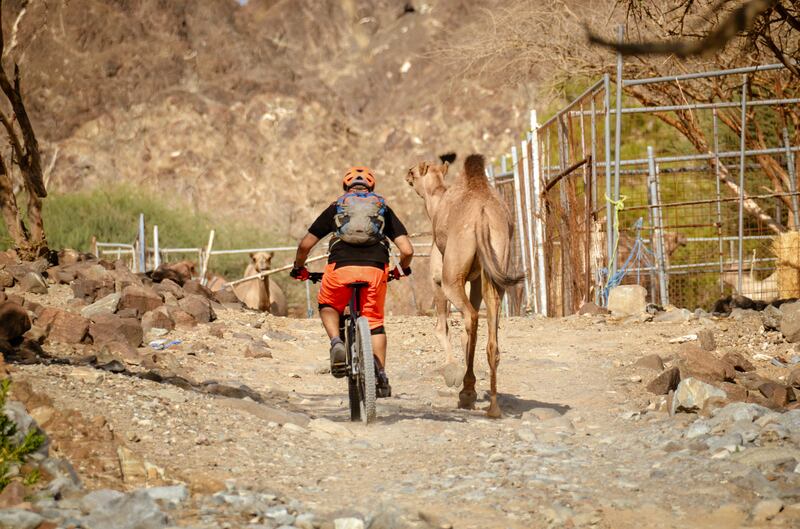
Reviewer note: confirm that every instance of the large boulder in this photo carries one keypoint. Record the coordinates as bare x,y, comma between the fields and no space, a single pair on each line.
693,394
771,318
141,299
123,277
627,300
92,281
108,328
778,394
651,361
157,319
199,307
738,361
793,379
667,381
6,279
20,270
194,287
697,363
14,321
33,283
93,272
182,319
790,321
106,305
63,326
170,286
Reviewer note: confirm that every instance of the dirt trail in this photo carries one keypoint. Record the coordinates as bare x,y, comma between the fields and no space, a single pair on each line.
595,457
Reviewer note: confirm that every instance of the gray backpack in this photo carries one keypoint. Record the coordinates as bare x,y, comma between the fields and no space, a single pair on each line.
360,218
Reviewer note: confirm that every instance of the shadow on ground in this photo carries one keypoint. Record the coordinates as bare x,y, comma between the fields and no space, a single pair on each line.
514,406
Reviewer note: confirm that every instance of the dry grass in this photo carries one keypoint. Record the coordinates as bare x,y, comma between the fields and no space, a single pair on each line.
787,250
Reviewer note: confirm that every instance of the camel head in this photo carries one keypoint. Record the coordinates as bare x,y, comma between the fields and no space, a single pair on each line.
185,269
425,177
262,261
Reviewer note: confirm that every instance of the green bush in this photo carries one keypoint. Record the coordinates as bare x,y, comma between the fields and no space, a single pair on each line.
13,453
112,215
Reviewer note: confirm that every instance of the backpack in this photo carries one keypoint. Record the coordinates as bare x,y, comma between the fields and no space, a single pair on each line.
360,219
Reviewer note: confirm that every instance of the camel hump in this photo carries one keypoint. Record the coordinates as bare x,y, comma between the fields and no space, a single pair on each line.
474,167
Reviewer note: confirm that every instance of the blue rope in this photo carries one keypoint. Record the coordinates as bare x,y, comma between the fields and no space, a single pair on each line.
637,255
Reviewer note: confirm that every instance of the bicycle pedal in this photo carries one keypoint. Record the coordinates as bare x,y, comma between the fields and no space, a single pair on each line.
339,370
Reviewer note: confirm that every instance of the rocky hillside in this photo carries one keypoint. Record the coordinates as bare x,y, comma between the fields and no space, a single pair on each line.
250,109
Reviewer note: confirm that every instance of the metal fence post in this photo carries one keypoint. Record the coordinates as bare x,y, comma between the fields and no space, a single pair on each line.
520,224
609,212
719,204
526,173
539,217
142,246
156,255
741,183
790,167
618,127
658,230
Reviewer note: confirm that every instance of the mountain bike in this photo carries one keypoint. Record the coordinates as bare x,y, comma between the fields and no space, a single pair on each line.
361,364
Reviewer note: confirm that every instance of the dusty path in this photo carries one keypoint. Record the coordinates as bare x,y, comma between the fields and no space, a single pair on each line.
603,460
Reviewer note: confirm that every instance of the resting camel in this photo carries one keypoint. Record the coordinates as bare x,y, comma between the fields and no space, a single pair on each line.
179,271
261,294
472,229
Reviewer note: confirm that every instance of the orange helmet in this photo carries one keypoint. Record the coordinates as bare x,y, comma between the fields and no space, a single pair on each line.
358,175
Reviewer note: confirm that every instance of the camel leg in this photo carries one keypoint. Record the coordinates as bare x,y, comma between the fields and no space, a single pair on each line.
453,286
452,371
475,299
493,298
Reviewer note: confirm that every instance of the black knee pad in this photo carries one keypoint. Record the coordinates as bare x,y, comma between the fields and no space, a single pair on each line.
378,330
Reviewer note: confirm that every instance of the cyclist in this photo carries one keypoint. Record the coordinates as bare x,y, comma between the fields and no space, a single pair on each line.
362,226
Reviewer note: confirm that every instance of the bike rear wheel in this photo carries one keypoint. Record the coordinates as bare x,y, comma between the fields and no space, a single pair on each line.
355,398
366,377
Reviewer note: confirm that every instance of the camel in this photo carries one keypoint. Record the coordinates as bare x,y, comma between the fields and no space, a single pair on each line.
261,294
472,229
180,272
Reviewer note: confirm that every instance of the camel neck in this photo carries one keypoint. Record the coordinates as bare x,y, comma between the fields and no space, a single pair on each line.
434,198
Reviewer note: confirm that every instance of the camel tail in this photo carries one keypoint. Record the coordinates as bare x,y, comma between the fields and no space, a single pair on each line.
496,271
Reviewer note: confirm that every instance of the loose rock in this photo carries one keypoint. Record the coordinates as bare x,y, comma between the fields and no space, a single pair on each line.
665,382
692,395
64,327
627,300
790,321
651,361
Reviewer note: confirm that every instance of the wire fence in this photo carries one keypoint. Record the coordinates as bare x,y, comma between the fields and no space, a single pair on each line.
689,227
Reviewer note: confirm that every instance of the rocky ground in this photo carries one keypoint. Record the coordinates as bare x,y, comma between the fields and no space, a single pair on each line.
236,423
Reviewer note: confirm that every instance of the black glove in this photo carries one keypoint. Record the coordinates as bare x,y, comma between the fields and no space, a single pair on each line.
300,273
394,273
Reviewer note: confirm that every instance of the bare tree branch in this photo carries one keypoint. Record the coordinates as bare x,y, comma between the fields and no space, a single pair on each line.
739,20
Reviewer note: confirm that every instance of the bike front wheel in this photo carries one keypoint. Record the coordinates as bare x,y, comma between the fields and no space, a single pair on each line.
366,377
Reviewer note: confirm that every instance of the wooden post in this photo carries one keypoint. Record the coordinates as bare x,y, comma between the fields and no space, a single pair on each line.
206,258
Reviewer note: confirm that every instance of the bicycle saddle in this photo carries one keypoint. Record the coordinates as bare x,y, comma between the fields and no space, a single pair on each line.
358,284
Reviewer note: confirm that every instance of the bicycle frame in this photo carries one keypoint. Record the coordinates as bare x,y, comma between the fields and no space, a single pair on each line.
347,327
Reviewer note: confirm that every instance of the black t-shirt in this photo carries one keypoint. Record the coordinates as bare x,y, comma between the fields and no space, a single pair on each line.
345,253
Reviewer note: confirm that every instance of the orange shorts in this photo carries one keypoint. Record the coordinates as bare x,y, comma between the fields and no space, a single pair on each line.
335,293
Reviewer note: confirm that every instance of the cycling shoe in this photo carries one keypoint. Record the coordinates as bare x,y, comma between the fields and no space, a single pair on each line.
338,360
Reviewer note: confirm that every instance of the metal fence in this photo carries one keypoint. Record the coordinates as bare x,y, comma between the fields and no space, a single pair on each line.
688,227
